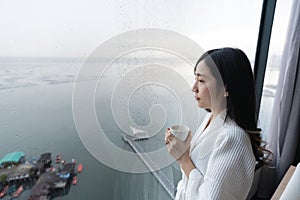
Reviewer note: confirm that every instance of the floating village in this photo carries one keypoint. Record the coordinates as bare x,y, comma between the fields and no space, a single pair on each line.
45,180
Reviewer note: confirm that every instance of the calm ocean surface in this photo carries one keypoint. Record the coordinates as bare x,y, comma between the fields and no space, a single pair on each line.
36,117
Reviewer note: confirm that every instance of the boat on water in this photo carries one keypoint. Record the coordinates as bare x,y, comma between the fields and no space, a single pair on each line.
58,158
74,180
50,169
4,191
11,189
79,168
18,191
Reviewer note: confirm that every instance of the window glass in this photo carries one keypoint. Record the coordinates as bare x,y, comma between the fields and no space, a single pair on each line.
45,44
279,30
215,24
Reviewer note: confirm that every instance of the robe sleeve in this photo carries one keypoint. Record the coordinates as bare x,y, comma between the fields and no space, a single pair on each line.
230,169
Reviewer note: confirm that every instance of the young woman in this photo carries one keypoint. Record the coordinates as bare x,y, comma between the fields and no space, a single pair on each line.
219,161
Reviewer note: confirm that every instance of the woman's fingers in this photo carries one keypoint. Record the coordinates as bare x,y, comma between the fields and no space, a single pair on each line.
171,140
168,136
176,147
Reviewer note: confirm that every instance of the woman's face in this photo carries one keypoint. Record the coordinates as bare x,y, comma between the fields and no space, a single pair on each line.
206,90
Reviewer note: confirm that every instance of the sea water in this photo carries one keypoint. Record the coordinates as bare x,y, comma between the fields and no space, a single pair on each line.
36,117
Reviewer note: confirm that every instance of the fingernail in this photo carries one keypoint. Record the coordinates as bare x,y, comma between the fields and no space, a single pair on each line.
168,128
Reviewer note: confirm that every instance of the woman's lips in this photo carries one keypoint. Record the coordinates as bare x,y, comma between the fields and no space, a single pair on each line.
197,98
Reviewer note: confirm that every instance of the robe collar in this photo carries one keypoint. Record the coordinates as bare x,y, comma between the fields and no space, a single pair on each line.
206,139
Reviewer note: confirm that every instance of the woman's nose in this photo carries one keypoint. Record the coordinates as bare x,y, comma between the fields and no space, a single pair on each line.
194,88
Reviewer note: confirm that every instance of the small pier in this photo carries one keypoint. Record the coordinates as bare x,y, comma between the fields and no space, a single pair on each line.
47,180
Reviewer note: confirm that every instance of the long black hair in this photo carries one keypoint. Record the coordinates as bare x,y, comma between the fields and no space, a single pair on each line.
234,68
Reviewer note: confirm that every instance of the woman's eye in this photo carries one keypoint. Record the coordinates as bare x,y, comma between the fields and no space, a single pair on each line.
200,80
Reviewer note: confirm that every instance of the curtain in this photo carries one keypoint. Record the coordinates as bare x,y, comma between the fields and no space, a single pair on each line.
284,134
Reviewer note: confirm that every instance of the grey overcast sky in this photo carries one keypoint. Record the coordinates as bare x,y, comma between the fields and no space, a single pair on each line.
74,28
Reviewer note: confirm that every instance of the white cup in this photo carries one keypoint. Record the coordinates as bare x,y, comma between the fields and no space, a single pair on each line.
180,131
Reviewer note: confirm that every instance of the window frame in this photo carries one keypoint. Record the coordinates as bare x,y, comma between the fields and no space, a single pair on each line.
262,48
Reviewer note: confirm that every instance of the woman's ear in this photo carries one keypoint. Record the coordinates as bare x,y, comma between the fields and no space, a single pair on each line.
226,93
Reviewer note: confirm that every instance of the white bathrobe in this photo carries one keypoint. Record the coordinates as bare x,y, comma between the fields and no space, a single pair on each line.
224,161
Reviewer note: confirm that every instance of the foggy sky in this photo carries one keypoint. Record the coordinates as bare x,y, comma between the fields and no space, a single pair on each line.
74,28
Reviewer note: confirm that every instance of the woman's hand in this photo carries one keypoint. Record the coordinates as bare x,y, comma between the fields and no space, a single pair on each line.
180,150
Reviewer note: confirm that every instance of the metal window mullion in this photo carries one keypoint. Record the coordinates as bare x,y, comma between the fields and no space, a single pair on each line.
262,49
